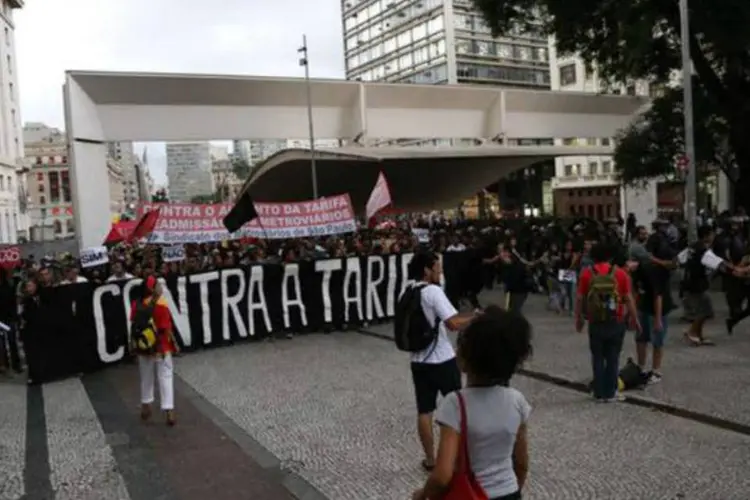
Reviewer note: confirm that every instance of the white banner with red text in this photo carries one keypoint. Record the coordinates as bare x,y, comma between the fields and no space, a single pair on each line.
194,223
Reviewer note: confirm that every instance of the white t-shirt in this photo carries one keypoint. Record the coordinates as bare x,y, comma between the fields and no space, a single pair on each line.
494,415
436,305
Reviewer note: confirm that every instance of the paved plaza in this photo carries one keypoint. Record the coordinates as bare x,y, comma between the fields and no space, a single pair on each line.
332,417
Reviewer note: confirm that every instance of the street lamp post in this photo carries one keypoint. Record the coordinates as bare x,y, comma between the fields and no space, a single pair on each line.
687,88
305,61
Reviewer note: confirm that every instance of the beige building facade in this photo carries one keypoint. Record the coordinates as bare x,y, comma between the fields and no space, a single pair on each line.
48,180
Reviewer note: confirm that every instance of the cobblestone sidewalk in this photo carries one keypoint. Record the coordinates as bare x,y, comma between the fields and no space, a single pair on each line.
334,416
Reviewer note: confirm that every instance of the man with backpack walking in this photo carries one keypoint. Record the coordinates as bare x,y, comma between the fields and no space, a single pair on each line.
604,297
422,320
152,340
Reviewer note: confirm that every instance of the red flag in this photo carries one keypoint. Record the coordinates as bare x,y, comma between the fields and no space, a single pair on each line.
144,226
380,197
119,232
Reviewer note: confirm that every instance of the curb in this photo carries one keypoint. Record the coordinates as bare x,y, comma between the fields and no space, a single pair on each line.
642,401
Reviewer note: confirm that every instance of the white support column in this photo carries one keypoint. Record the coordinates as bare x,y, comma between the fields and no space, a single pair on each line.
493,124
88,161
362,112
354,119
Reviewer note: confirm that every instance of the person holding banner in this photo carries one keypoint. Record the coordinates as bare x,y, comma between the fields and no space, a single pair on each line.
157,360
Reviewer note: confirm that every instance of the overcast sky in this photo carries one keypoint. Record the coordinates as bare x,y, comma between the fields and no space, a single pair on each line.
253,37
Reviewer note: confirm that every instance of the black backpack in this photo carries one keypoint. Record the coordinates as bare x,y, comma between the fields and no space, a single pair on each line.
412,331
143,335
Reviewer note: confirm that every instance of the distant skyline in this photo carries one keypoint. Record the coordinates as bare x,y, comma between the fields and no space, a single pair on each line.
141,35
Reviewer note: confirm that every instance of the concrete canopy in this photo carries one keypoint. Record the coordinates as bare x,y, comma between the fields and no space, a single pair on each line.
106,106
420,178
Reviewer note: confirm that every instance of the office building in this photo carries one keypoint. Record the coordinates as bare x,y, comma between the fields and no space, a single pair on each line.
13,202
189,170
135,173
447,42
437,42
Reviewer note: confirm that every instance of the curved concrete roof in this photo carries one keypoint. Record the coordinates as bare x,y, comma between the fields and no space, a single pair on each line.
420,178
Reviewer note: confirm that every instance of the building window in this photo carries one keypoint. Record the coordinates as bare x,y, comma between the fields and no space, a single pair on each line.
463,46
11,92
593,168
630,90
606,141
10,64
54,187
58,227
42,200
65,177
568,74
607,167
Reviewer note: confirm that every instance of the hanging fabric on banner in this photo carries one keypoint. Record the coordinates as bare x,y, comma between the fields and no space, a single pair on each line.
173,253
94,256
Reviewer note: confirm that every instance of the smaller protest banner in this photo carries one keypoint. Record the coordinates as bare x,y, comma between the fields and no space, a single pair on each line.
195,223
173,253
94,256
10,257
423,235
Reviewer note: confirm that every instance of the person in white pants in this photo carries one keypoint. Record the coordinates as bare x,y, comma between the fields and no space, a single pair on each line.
159,363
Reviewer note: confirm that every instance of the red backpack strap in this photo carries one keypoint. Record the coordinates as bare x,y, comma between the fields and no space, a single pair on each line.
464,462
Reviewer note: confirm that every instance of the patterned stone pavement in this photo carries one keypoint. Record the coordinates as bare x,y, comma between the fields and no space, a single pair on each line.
709,380
331,416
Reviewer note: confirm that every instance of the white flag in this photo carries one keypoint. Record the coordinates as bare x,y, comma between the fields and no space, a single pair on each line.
379,198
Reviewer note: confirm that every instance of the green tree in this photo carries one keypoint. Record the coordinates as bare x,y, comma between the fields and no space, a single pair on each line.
160,196
241,168
641,40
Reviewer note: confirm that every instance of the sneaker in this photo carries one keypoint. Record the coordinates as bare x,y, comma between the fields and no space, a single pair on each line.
654,378
619,397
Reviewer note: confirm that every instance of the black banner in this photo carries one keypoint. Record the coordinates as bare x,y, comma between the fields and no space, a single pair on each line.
84,327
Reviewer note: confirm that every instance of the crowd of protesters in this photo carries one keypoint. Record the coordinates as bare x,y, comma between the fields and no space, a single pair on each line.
522,256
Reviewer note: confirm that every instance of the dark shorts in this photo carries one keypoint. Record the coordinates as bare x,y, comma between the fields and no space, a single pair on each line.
431,379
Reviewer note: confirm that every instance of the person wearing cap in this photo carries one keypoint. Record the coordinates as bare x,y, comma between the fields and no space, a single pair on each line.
160,363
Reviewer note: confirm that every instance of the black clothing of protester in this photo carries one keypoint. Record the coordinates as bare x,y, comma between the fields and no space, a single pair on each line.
9,316
649,284
52,351
33,338
516,279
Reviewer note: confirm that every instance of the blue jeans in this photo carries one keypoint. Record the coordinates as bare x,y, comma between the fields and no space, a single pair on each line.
605,343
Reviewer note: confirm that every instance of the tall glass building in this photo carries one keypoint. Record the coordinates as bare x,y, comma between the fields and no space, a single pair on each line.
437,42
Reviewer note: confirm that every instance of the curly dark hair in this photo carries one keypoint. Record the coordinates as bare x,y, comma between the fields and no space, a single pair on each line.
494,346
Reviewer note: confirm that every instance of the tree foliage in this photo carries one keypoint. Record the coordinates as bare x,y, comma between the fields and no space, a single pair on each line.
160,196
630,40
241,168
